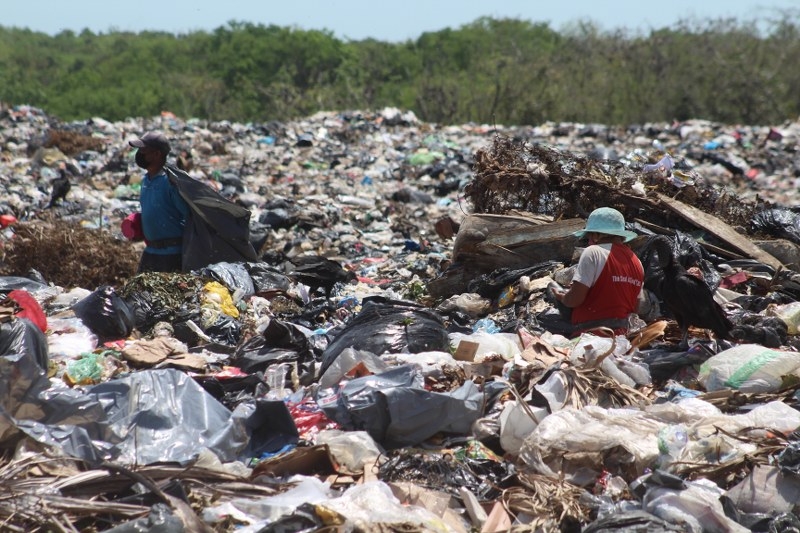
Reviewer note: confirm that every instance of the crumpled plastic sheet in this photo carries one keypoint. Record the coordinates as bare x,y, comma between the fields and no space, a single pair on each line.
593,430
63,418
147,417
165,416
697,508
396,410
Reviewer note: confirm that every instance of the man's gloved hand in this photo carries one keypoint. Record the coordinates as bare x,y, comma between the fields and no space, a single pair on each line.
132,227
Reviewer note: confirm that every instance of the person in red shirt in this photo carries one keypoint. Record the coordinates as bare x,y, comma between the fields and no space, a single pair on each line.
608,279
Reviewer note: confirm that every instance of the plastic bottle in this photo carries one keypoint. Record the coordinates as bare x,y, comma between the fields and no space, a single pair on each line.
276,379
671,442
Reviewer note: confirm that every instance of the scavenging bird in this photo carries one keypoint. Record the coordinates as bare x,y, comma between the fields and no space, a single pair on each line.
319,272
686,297
61,187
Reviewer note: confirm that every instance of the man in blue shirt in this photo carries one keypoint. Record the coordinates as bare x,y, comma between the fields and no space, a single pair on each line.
164,211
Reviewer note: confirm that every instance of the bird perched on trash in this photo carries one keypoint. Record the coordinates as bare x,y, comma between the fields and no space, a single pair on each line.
319,272
688,298
61,187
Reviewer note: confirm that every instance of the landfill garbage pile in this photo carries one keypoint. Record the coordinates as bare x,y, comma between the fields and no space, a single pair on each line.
393,362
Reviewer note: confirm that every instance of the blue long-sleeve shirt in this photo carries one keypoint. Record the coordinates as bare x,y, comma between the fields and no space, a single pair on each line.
164,212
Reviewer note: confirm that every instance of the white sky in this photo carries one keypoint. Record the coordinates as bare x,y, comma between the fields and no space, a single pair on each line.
386,20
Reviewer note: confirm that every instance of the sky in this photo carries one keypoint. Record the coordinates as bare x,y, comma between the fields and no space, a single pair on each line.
385,20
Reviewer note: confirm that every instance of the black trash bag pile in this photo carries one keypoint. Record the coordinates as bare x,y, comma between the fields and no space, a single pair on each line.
389,326
396,410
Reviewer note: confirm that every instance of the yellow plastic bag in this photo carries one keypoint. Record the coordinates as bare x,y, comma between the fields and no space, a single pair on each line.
217,296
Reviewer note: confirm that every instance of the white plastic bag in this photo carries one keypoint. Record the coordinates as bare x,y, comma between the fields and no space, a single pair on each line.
506,345
351,449
748,368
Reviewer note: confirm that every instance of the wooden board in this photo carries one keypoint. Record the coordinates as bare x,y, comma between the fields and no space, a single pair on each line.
720,230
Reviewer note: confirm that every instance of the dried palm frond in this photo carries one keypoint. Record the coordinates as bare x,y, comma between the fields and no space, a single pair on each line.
549,501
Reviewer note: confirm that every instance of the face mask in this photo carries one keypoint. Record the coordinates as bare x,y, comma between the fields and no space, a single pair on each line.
141,159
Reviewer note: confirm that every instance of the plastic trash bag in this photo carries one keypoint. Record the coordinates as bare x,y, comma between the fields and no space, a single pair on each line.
374,503
396,410
789,313
216,296
269,426
616,365
281,342
789,458
106,314
233,275
165,416
351,449
10,283
348,361
266,277
86,370
225,330
21,337
472,304
386,326
748,368
780,223
696,508
146,313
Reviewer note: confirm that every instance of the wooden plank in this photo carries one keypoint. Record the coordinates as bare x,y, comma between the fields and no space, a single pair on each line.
720,230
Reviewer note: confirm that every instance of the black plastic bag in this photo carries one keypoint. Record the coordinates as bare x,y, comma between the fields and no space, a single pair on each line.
145,313
780,223
396,410
22,337
106,314
388,326
225,330
281,342
266,277
491,285
789,458
270,427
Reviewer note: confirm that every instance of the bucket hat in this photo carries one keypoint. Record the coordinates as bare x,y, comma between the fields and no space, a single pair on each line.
608,221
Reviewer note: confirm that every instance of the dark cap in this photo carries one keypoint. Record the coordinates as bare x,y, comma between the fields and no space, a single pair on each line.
153,139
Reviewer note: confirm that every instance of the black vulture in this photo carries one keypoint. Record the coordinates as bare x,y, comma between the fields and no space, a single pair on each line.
319,272
687,298
61,187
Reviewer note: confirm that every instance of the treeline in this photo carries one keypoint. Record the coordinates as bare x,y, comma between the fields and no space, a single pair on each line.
505,71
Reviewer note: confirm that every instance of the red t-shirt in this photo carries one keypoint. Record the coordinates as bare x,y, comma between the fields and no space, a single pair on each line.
614,276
